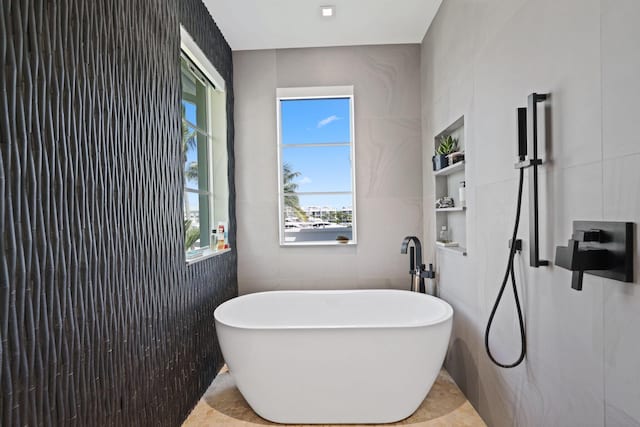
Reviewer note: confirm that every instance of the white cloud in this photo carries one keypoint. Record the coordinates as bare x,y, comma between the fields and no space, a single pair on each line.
328,120
304,180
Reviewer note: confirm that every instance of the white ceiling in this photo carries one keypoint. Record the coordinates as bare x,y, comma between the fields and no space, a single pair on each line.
279,24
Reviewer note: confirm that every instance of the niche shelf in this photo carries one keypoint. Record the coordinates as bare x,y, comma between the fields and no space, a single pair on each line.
456,167
454,249
455,209
447,184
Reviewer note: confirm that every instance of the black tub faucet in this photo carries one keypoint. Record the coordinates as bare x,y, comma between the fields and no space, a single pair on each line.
417,269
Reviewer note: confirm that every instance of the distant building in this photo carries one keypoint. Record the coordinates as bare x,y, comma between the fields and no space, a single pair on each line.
324,213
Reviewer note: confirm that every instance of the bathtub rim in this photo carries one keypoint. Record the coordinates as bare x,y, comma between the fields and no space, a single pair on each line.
446,318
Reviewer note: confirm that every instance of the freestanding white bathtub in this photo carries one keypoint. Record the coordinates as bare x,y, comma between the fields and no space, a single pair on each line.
325,357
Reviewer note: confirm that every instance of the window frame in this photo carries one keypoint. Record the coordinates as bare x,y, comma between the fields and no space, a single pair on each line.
216,130
316,92
209,86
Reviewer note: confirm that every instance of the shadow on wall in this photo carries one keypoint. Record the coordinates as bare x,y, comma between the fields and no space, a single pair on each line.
463,368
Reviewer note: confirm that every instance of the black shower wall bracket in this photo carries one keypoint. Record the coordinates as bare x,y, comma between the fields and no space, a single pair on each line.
601,248
528,144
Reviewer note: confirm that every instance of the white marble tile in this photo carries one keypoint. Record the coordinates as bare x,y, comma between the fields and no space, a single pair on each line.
388,164
385,78
564,327
388,155
254,77
622,300
319,267
255,126
257,226
256,159
464,347
620,71
545,47
490,16
582,361
388,221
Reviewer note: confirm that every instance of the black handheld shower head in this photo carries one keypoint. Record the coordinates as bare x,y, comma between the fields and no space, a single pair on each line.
522,133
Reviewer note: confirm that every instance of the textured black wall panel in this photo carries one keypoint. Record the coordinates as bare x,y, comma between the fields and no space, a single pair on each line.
101,321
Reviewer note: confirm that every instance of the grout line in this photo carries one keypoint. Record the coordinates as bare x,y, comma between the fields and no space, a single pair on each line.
602,203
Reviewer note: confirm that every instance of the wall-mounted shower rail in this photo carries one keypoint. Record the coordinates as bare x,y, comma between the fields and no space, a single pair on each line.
531,119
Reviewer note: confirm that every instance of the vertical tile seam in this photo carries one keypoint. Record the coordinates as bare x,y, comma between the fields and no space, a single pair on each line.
602,204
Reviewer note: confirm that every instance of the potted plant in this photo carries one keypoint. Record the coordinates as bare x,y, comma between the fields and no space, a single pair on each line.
448,145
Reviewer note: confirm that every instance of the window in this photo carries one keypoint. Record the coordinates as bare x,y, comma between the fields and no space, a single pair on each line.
316,168
204,148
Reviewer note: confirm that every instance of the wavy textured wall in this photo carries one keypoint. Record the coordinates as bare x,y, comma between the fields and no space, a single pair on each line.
101,321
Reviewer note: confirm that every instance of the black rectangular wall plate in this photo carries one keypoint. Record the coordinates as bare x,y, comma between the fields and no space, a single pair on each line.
618,240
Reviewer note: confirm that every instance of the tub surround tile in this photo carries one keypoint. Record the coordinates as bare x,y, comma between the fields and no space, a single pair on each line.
257,72
384,78
622,301
564,327
223,405
383,147
388,167
580,364
620,71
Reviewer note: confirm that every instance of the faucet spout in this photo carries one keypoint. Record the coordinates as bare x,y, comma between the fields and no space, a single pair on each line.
415,262
416,244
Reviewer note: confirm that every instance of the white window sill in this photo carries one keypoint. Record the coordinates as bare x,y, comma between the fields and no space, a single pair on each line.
330,243
208,253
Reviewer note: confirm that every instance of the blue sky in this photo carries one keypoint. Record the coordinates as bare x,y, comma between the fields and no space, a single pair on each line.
322,168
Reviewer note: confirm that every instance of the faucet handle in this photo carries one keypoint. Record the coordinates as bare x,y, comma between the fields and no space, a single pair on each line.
576,280
578,260
427,274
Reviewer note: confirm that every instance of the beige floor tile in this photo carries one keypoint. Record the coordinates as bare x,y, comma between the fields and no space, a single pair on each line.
222,405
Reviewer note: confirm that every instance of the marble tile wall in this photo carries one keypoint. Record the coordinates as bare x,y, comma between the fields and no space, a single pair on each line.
388,166
482,58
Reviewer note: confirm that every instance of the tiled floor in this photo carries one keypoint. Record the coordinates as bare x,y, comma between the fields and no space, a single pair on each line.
223,405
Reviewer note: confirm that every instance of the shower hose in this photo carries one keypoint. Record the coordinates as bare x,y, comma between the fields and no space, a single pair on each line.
510,273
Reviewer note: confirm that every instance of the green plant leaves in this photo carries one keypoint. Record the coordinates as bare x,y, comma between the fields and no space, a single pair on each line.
448,145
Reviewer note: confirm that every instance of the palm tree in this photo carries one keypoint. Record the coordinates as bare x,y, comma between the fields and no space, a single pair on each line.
191,234
189,141
290,198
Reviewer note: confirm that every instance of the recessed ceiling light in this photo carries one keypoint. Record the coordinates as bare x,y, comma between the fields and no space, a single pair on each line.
327,11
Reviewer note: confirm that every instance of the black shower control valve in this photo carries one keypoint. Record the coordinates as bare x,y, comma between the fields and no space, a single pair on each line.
588,236
600,248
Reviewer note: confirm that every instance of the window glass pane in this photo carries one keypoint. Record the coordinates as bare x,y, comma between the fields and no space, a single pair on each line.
196,154
316,168
192,208
191,220
204,205
197,218
315,120
318,218
194,98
